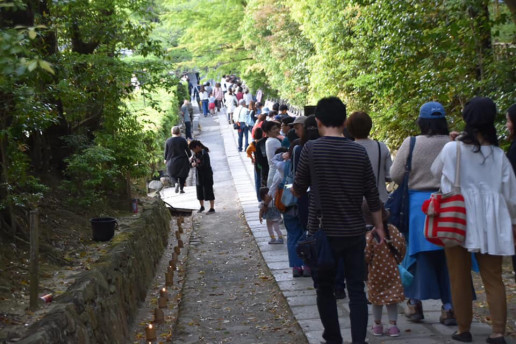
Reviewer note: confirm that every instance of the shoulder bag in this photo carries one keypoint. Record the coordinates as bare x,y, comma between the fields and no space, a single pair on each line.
445,223
398,202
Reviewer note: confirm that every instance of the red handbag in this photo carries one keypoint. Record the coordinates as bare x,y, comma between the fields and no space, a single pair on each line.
445,223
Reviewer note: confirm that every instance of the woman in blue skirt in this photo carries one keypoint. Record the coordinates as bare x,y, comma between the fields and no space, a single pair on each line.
426,261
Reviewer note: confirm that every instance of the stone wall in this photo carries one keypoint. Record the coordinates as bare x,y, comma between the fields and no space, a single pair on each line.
101,304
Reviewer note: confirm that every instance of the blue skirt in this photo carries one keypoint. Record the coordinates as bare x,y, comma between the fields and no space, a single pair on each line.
426,261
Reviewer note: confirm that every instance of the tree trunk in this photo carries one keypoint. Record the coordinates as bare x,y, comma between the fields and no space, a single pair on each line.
511,4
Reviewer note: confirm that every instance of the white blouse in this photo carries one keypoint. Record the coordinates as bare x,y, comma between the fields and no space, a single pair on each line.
488,185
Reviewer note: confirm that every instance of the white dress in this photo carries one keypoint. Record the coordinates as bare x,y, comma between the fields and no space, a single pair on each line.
488,185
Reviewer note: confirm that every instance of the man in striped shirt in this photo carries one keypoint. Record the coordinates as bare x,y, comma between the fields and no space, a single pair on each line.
339,174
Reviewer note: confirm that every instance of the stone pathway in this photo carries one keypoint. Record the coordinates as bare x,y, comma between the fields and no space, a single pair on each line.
229,294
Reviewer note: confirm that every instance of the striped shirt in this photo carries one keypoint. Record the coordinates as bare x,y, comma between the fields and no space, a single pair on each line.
344,176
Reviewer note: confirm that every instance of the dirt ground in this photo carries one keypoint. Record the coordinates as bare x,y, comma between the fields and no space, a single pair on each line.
66,248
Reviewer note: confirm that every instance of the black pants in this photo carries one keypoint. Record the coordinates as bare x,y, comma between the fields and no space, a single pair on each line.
351,251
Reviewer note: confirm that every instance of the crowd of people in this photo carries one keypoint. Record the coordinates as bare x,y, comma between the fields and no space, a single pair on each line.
339,176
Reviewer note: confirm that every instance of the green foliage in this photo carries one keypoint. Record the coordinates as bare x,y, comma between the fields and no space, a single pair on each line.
92,174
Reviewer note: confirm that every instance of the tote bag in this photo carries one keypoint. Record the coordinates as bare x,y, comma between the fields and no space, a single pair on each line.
445,223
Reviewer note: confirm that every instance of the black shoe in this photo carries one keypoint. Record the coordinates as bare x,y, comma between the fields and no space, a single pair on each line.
182,191
496,340
462,337
211,211
340,294
201,209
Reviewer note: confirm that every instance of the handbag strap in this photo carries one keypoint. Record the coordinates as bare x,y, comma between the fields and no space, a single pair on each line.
379,163
408,165
456,183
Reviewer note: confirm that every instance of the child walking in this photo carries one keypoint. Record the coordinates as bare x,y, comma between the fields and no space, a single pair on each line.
204,180
384,282
272,216
212,104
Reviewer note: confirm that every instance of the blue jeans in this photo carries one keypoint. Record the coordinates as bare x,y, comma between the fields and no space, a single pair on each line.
243,131
205,107
257,182
351,250
294,232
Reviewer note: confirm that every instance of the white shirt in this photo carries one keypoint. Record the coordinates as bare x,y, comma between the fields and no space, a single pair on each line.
488,185
204,95
241,113
231,100
248,97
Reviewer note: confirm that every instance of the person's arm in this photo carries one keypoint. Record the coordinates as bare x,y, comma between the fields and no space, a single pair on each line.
372,197
302,178
388,164
398,166
166,153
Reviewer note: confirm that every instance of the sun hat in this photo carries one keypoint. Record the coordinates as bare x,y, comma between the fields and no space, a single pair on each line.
298,120
431,110
265,110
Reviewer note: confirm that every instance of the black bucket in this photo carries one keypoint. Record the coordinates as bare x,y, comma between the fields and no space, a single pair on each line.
103,228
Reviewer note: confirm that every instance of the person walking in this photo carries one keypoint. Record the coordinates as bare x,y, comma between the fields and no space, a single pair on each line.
384,286
339,174
176,159
187,114
359,125
488,185
251,153
243,125
511,154
231,103
425,260
218,92
271,215
204,97
271,129
204,179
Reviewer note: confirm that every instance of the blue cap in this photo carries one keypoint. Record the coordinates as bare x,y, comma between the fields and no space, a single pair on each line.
431,110
265,110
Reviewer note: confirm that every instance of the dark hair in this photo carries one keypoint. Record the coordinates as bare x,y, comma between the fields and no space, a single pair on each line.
258,104
291,135
359,124
201,89
263,191
331,111
258,133
310,131
479,114
217,84
275,106
267,126
281,150
283,107
272,113
511,112
252,105
239,89
262,117
433,126
196,143
287,120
